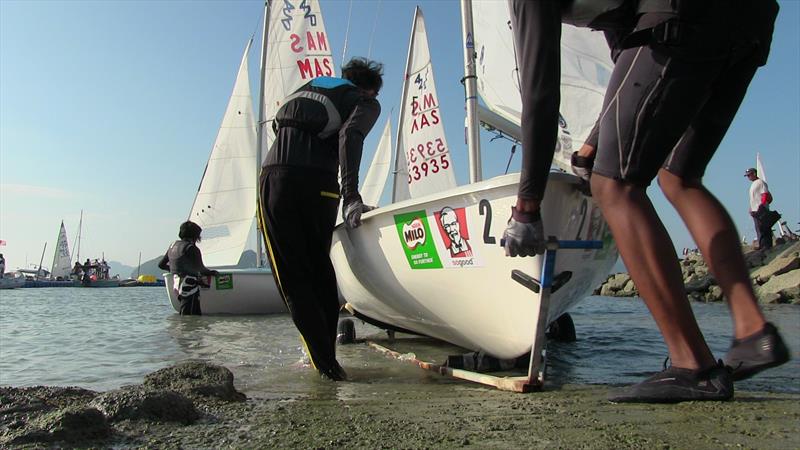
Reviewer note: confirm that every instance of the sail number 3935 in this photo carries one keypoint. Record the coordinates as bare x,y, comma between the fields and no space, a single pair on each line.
427,158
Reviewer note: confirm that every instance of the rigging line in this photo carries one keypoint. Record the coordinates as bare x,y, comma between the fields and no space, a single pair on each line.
374,26
347,33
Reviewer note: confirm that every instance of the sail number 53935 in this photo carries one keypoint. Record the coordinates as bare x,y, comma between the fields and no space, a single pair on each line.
427,158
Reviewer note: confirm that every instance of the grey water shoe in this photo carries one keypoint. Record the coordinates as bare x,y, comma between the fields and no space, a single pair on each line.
757,352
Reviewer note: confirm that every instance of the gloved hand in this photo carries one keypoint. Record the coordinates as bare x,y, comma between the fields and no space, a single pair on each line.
352,213
524,235
582,166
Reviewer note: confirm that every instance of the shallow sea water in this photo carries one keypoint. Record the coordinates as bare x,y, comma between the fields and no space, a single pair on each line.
102,339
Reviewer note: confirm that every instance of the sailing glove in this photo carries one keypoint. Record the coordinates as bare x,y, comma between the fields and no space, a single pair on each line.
524,235
352,213
582,166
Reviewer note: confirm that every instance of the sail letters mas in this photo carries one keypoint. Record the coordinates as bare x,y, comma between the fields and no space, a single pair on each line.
424,113
310,65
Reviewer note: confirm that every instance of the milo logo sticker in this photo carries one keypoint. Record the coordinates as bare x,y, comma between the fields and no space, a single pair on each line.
224,281
415,235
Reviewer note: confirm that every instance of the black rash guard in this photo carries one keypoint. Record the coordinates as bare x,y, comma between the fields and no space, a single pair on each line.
322,126
184,258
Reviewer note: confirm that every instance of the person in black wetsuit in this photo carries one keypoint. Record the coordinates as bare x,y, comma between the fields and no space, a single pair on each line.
320,129
679,79
185,262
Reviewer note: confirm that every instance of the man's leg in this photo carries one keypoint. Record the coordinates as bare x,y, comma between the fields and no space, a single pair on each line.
715,234
287,201
649,255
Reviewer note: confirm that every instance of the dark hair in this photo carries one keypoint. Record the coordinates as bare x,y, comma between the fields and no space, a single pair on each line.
364,73
190,231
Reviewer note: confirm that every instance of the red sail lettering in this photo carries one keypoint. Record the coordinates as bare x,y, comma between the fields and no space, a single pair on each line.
317,68
322,42
414,107
310,41
423,121
435,115
295,43
328,69
305,68
428,102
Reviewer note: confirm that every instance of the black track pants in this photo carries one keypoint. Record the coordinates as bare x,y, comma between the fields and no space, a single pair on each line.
298,211
190,304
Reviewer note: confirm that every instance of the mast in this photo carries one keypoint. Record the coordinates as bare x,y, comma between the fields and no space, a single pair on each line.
471,92
260,128
399,155
139,266
78,240
39,270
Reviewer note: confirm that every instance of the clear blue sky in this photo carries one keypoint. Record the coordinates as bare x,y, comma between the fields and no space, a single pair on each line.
112,108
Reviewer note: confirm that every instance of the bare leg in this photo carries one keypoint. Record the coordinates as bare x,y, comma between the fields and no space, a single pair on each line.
716,236
648,253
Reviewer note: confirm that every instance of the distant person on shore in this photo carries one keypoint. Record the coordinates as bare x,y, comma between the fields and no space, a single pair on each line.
760,198
2,266
320,130
677,84
185,262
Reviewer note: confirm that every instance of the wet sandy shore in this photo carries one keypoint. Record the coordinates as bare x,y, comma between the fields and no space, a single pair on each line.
365,413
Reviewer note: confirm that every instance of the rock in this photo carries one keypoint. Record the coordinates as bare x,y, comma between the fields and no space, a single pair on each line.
70,424
629,290
714,294
618,281
135,403
777,266
754,259
195,378
605,290
697,283
770,299
787,283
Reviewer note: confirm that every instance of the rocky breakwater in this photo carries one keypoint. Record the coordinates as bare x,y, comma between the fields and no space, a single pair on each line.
775,274
56,416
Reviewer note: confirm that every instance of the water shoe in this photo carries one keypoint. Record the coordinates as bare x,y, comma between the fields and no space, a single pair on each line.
757,352
673,385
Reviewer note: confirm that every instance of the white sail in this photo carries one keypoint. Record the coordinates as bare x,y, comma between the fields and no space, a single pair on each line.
225,205
378,171
585,70
62,265
421,138
297,52
760,168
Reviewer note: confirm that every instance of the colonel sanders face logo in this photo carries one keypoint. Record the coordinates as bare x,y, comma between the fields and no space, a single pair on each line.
458,244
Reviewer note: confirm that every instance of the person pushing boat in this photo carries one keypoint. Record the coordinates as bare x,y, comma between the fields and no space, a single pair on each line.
320,128
679,79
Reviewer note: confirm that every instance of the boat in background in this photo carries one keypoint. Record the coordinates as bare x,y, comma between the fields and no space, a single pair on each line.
12,280
60,270
431,263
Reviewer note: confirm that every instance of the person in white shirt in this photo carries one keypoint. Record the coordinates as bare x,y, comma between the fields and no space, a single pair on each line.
759,204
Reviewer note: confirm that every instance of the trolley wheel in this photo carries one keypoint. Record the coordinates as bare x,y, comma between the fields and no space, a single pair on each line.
562,329
345,332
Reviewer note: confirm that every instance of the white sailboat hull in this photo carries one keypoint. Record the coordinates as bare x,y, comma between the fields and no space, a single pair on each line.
250,291
471,301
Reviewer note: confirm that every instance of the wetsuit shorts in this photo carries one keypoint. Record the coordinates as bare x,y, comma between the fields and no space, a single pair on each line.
670,106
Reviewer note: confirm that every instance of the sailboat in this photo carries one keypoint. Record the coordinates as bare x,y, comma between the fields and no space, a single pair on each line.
59,275
431,262
294,50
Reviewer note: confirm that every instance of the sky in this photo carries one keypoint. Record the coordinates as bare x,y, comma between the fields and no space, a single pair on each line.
111,108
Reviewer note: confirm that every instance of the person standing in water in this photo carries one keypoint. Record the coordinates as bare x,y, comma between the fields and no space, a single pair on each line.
185,262
320,130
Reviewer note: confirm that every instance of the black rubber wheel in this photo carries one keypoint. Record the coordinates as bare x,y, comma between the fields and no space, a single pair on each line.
346,332
562,329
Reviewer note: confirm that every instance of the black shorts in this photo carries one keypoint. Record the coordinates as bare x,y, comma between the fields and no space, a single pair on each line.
666,107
